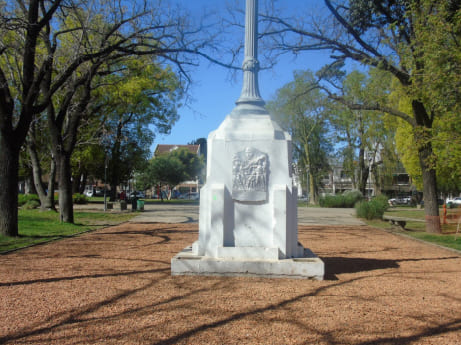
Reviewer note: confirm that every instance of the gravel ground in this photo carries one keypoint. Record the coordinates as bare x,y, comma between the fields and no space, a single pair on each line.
113,286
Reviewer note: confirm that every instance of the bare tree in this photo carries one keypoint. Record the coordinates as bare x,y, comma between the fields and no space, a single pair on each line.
385,35
49,54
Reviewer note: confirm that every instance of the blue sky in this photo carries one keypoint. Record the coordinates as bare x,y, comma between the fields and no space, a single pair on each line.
214,93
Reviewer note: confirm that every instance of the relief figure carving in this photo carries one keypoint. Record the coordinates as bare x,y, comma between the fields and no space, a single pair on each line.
249,175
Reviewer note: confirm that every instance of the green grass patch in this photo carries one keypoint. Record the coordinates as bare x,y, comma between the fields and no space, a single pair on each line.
418,230
415,213
448,241
407,213
36,226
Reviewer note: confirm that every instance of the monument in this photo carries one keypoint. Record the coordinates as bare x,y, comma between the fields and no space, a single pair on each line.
248,206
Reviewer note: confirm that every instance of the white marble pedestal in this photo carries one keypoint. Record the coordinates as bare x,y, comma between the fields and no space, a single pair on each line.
248,207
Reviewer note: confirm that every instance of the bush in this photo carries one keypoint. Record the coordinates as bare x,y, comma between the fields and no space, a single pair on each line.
24,198
352,197
372,209
31,204
331,201
346,200
79,199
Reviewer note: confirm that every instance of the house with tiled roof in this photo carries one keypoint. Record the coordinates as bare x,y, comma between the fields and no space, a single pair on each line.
165,149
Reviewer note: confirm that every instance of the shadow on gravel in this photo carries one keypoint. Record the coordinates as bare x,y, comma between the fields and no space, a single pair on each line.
339,265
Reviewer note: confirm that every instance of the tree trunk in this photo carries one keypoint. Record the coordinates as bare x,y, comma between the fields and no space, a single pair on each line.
9,168
431,206
377,185
50,203
314,193
423,139
45,202
362,174
83,178
66,211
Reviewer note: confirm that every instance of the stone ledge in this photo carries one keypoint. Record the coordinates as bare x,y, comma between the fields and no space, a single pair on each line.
307,267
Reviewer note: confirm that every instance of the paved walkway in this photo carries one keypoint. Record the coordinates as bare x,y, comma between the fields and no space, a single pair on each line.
189,213
170,213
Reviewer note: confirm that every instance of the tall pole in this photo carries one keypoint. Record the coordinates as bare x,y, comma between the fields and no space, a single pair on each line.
250,90
105,182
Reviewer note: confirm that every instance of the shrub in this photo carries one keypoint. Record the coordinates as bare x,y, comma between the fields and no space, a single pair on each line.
24,198
332,201
372,209
346,200
351,198
31,204
79,199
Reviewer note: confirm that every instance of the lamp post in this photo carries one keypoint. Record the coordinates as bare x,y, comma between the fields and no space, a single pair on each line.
370,159
105,182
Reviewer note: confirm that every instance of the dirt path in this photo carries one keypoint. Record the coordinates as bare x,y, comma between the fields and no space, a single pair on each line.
113,286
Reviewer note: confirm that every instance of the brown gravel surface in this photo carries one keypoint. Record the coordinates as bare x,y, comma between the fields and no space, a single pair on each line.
113,286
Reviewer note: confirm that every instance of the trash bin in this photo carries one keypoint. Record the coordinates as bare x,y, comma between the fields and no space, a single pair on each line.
140,205
123,205
134,201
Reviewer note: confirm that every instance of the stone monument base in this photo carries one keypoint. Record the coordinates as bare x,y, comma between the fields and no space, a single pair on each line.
307,267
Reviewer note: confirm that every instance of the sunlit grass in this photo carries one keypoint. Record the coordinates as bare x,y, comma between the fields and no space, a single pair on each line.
41,226
417,230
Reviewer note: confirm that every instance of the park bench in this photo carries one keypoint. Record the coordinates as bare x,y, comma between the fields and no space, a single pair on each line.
401,221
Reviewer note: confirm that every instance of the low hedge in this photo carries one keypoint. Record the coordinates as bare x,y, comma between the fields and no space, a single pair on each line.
373,209
25,198
345,200
79,199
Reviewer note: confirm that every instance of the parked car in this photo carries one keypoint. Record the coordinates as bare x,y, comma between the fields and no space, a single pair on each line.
137,194
455,202
89,193
406,200
190,196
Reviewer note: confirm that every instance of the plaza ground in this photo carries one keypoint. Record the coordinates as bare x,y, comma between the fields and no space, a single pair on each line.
113,286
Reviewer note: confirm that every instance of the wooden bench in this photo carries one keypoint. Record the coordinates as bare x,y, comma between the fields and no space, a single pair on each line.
401,221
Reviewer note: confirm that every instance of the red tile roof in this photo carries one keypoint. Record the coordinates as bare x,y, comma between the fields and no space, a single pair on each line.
162,149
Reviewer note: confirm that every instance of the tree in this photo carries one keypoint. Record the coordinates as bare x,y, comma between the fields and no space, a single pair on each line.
170,169
134,104
193,164
40,155
165,170
21,73
203,146
300,109
49,55
368,135
403,38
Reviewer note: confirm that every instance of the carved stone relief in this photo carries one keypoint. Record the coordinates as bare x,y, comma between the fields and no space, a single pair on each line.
249,175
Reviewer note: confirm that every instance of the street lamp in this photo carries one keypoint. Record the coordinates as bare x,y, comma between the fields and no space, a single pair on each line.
105,182
370,159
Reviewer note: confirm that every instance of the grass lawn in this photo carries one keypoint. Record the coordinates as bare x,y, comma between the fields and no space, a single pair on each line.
36,226
417,230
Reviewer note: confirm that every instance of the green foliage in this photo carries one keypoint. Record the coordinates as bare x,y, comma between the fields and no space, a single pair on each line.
192,163
138,102
31,204
373,209
358,132
166,170
345,200
300,109
79,199
24,198
171,169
